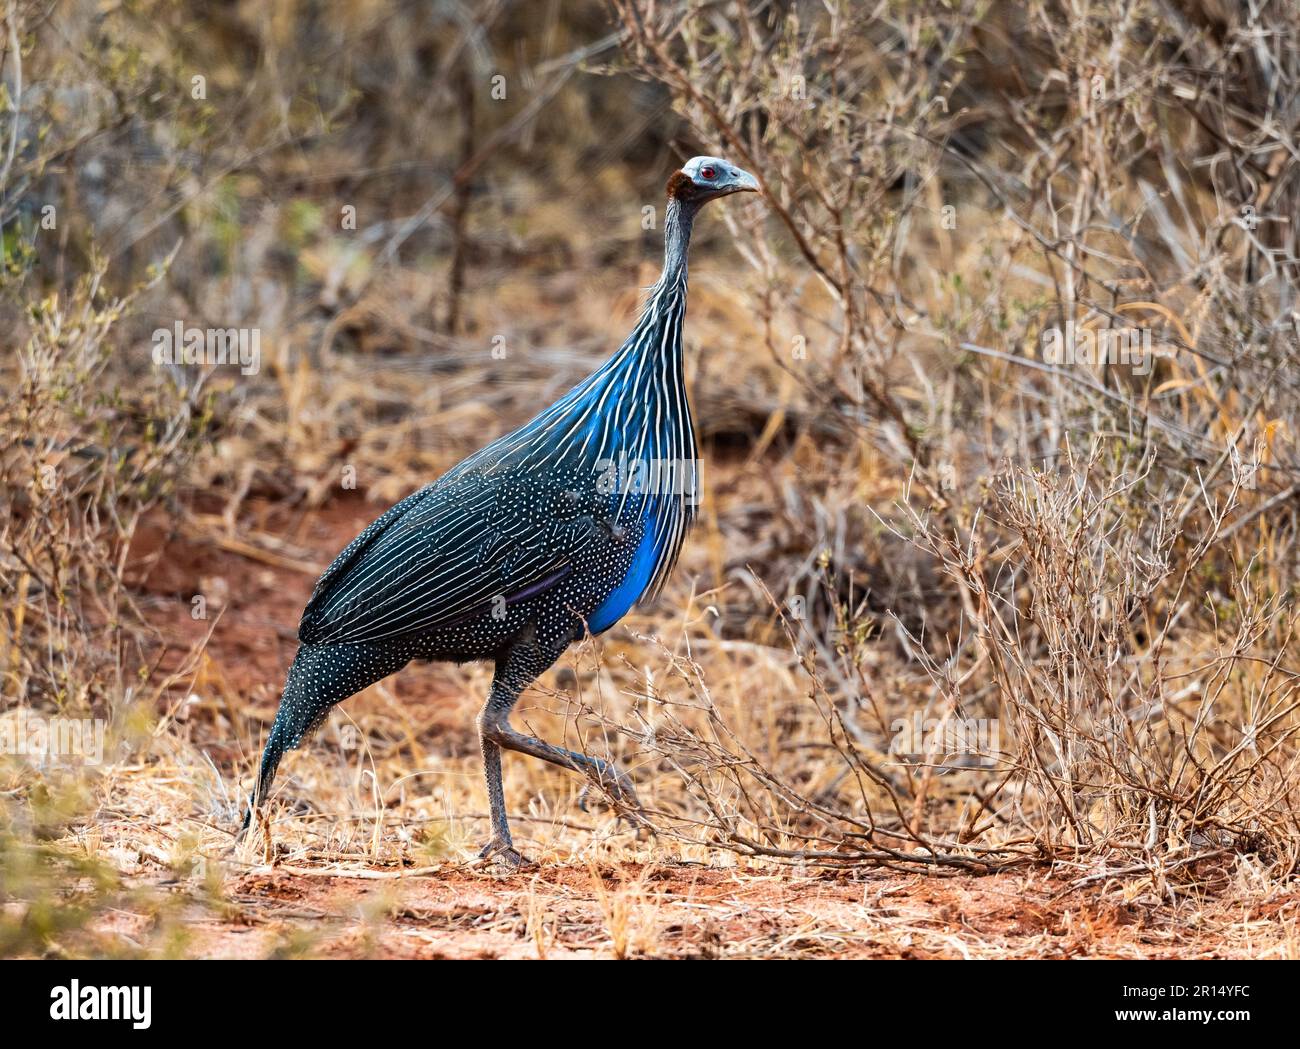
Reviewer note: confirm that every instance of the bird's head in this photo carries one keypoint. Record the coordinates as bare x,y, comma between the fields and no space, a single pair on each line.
702,179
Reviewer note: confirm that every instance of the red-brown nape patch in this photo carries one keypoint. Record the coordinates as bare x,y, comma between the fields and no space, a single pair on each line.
681,186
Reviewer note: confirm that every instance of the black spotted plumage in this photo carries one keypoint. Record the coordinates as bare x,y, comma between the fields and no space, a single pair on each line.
555,529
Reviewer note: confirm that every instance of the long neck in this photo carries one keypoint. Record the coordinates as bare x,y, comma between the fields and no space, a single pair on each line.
652,414
678,219
658,331
635,402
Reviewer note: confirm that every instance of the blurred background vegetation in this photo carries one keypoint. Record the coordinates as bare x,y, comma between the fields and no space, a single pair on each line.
437,216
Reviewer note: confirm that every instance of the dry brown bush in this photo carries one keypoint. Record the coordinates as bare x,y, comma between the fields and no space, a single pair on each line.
1114,538
1079,574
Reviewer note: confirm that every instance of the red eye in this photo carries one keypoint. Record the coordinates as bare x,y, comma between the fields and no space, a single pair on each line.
708,172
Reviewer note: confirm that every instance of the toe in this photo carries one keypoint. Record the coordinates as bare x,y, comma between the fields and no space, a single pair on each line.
513,859
503,852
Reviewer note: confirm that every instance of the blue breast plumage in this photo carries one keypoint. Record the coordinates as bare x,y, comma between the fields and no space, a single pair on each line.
580,514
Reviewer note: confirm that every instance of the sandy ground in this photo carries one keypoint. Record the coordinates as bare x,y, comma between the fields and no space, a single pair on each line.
345,904
688,911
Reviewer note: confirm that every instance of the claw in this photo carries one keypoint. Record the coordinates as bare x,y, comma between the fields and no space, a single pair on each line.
618,788
504,852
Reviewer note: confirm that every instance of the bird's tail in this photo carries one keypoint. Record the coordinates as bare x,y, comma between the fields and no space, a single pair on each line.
286,732
320,677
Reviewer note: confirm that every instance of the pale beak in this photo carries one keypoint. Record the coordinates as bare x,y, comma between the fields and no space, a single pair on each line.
742,182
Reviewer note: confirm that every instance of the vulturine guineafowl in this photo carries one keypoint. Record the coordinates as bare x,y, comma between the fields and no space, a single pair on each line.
553,530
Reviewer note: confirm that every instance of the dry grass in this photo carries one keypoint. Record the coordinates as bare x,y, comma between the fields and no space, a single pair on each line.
1079,575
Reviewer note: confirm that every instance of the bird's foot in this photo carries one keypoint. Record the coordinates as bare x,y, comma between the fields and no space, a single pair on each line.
501,850
618,788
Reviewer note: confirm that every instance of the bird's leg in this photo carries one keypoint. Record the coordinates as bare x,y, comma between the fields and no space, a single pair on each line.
501,845
515,671
606,775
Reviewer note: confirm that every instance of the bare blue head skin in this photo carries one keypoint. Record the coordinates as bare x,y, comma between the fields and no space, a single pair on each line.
700,180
